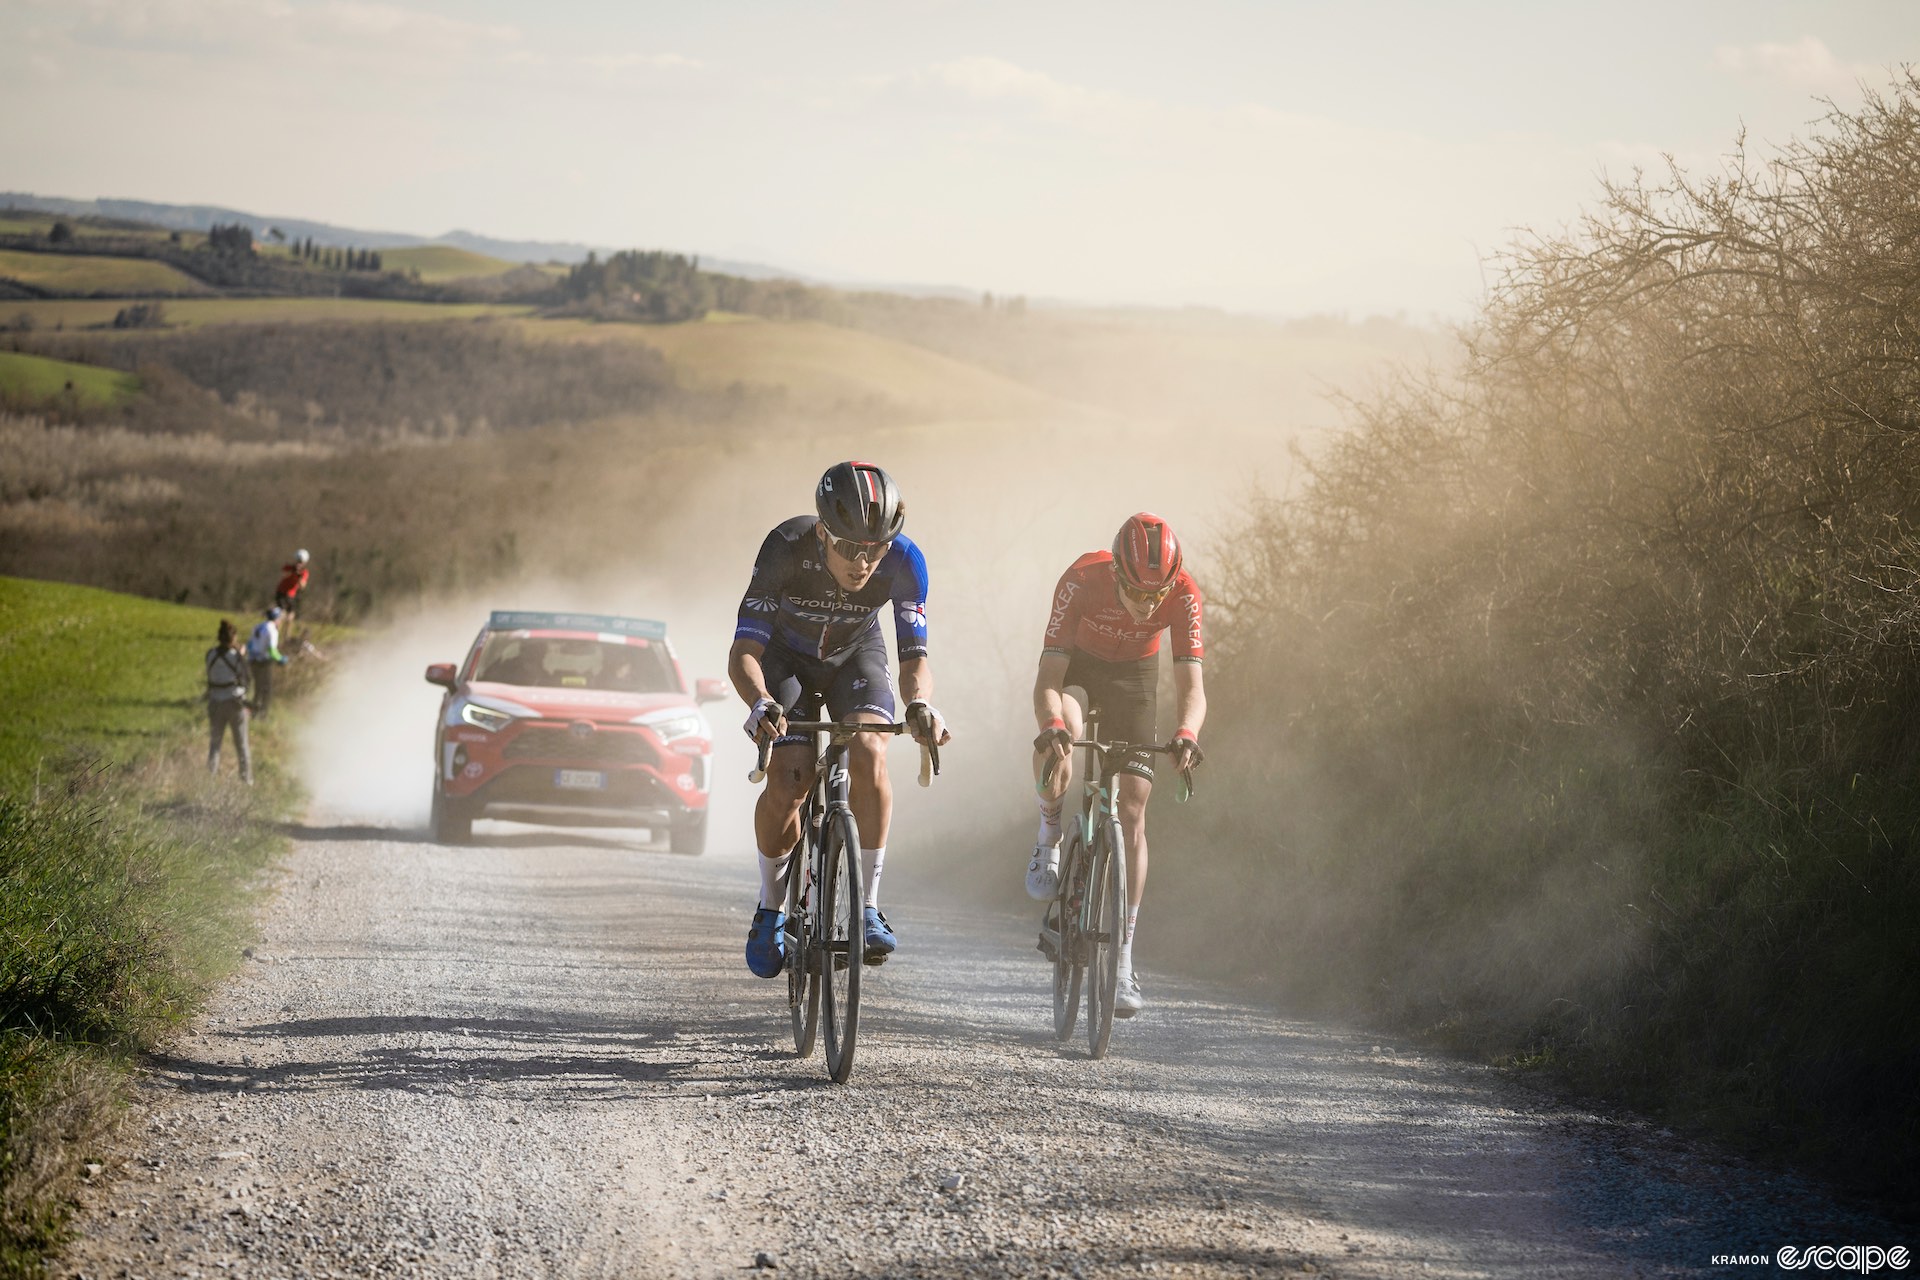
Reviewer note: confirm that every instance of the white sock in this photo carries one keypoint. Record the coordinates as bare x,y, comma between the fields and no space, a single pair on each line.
1126,941
871,861
773,881
1049,822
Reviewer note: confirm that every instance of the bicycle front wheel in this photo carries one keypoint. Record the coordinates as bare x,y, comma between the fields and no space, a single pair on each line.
1106,918
803,974
840,909
1068,961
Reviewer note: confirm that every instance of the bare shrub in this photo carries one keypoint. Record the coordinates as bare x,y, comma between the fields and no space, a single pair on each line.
1594,668
141,315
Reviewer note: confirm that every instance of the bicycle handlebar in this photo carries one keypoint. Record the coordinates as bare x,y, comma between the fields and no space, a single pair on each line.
929,754
1109,748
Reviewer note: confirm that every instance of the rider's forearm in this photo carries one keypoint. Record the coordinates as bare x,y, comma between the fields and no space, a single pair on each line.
743,668
916,680
1191,697
1049,698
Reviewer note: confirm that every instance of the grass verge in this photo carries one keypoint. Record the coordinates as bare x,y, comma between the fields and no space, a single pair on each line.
125,873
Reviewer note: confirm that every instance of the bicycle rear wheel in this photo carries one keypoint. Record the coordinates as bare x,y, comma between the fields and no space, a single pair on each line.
803,975
840,907
1068,961
1106,918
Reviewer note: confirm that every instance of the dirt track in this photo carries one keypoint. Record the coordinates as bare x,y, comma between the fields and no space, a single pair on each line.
534,1058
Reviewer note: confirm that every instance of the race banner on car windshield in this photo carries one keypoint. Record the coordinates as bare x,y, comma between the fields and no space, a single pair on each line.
514,620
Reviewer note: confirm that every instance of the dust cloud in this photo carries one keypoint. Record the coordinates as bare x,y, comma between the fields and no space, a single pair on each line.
1001,505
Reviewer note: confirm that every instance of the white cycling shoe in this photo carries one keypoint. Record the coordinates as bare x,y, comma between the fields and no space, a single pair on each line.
1127,999
1043,873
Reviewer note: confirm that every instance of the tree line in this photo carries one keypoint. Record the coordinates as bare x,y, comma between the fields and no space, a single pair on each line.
333,258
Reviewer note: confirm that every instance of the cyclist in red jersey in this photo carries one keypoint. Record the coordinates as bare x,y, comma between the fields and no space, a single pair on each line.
1102,651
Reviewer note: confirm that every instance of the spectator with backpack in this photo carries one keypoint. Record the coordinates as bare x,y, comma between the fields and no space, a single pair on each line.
228,677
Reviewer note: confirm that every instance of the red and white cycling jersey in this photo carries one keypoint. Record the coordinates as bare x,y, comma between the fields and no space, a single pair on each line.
1088,616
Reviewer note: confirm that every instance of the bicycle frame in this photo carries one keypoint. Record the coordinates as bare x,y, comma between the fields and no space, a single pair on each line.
825,960
1088,911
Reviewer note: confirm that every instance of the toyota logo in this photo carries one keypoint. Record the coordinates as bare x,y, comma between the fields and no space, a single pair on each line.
580,728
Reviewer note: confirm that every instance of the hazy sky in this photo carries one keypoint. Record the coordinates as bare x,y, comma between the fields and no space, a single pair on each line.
1282,157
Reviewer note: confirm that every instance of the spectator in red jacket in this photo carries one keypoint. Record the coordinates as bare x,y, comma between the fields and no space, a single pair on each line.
293,576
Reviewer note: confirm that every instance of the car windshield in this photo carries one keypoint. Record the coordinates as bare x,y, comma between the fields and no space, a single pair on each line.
563,662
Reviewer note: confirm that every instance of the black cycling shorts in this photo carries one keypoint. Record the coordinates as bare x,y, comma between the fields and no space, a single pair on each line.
855,679
1127,696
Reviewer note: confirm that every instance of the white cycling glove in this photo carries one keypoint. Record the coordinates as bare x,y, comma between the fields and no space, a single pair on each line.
764,710
926,724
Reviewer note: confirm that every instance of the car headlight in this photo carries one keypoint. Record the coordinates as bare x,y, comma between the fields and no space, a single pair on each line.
676,726
485,717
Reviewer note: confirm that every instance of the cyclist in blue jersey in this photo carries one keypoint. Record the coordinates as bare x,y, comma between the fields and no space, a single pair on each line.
810,629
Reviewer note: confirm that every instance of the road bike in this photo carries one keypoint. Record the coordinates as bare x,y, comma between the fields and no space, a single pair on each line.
1084,922
826,895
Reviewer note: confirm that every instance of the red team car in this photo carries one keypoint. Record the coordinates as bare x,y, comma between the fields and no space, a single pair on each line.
572,719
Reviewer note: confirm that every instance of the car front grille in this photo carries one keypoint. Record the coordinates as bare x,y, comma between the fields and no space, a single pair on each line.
533,784
560,743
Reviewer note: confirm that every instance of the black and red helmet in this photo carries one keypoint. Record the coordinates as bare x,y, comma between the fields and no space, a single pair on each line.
858,502
1146,555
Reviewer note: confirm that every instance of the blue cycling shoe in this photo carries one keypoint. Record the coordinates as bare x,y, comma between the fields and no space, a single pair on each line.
767,943
879,937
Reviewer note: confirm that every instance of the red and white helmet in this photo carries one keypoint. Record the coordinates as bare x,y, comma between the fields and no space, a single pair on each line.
1146,555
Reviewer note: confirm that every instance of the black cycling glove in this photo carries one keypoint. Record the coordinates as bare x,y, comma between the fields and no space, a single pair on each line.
1050,738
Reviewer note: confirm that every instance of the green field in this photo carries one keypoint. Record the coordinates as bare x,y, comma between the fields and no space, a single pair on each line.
819,362
126,886
438,263
86,273
92,672
32,379
22,222
77,313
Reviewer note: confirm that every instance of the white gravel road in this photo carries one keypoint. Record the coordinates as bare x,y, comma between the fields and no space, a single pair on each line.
542,1056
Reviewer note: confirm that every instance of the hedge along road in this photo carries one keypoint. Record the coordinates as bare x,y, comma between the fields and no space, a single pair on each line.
543,1056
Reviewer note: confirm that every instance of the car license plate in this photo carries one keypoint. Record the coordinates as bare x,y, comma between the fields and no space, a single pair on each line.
579,779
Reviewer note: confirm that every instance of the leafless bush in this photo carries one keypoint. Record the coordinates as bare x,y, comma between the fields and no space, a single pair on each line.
1600,657
1679,473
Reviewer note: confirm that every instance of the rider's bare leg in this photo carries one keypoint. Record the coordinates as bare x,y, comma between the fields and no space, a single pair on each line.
871,798
1131,801
776,818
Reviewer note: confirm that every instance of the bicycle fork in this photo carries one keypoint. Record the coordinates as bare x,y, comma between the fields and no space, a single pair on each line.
1102,816
833,802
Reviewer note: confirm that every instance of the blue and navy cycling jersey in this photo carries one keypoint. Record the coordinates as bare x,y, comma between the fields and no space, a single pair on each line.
794,602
